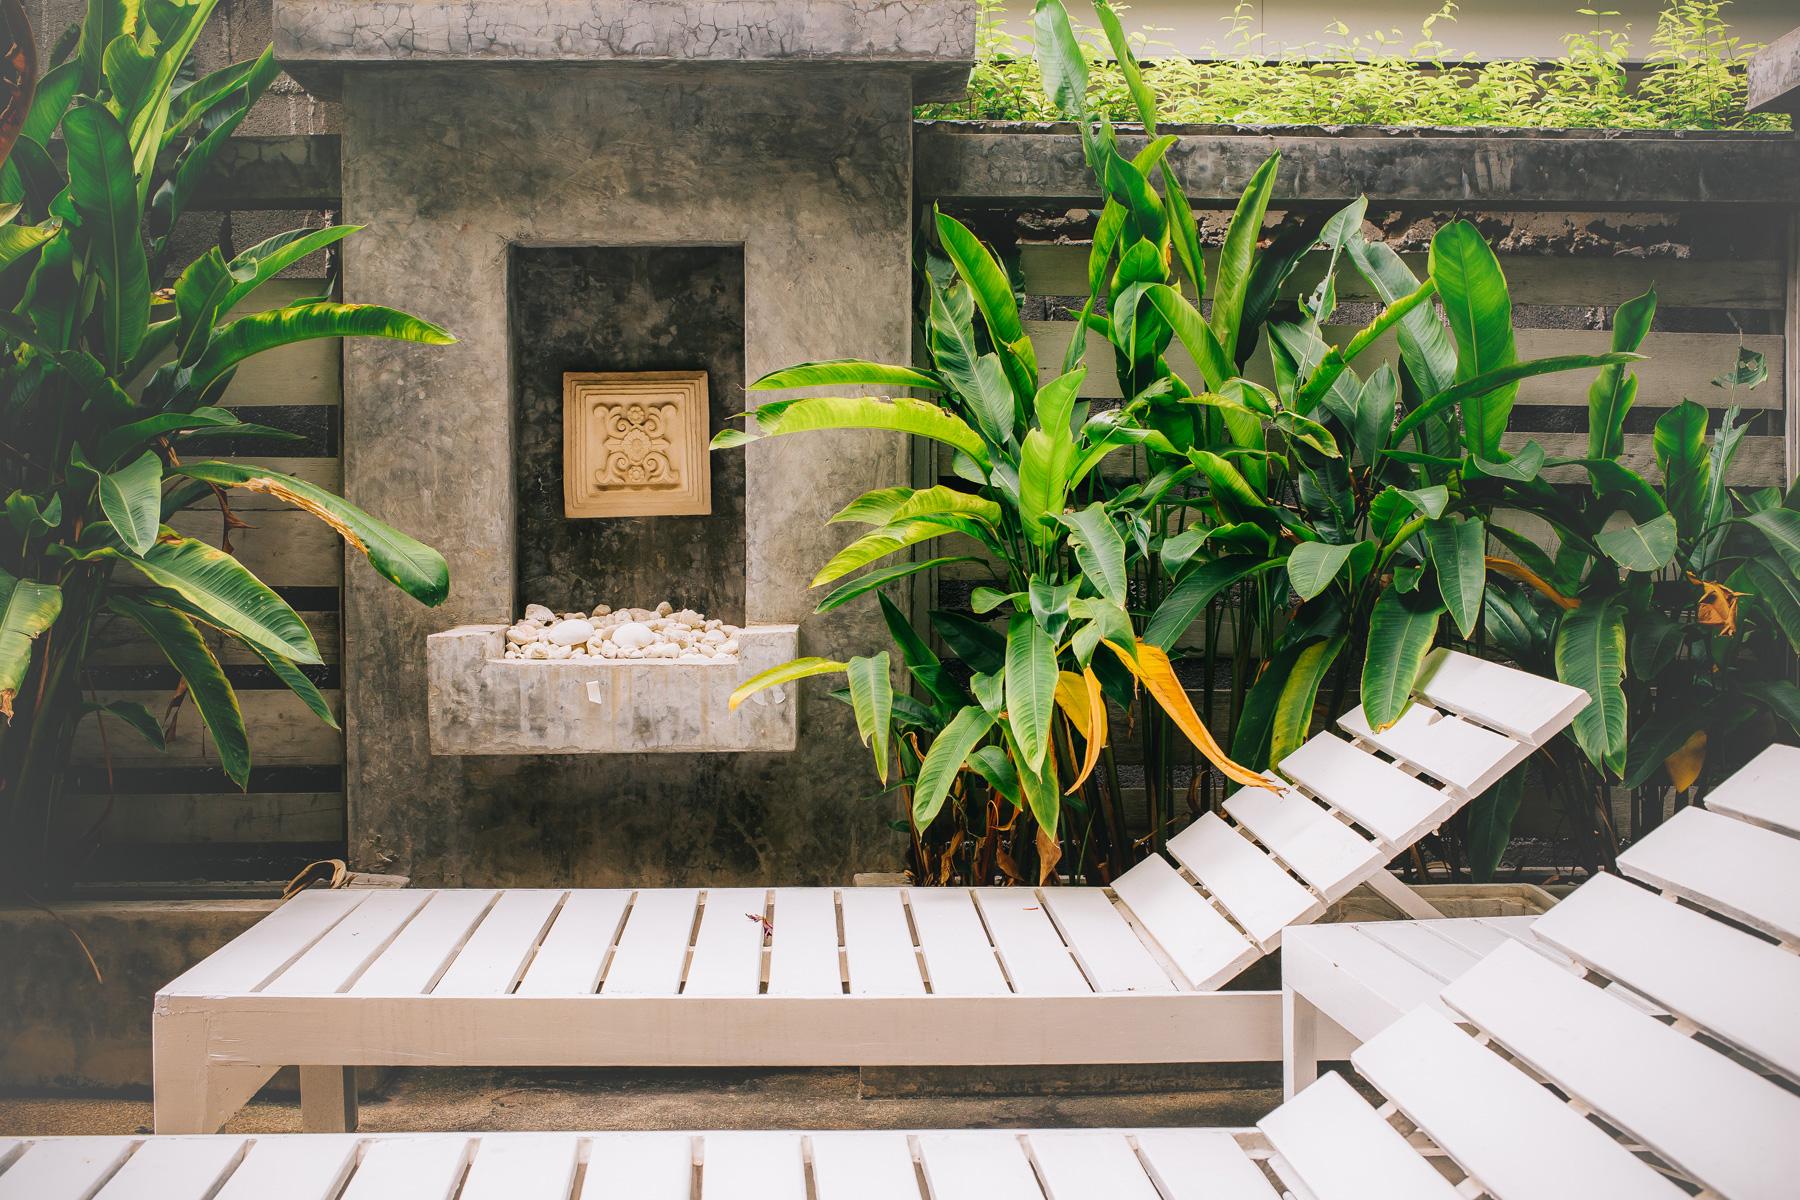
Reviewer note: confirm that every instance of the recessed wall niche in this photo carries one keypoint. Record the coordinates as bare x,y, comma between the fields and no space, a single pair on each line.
665,314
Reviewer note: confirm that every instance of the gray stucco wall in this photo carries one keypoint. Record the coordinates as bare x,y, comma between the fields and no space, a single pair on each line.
449,167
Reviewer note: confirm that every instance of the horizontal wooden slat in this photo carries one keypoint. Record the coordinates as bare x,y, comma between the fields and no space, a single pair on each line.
282,731
307,372
125,645
1061,270
189,818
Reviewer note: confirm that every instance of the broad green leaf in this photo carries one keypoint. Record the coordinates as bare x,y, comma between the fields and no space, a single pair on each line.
1030,687
994,297
1655,641
298,683
131,498
1099,550
1479,308
133,714
1141,95
853,371
257,332
1294,711
1216,366
1228,483
1464,390
1490,822
889,539
996,409
1750,371
1646,547
873,508
222,588
16,241
1611,395
993,764
268,258
1311,566
1198,588
949,751
863,584
1458,552
27,609
1060,60
1780,697
1773,592
55,89
787,672
980,645
1781,526
1680,443
872,697
103,188
193,659
1337,361
1401,629
931,501
921,418
1590,655
1425,346
1055,403
1522,467
1237,256
1043,484
406,562
170,200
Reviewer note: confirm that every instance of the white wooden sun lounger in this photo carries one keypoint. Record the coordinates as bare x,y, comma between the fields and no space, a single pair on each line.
1528,1078
851,977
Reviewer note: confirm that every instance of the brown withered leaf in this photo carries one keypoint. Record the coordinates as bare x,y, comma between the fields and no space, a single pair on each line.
1718,605
1049,854
1684,765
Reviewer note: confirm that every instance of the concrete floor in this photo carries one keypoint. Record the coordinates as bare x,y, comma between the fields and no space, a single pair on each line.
432,1099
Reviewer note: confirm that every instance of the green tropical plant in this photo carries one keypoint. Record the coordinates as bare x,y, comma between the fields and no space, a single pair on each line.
1692,76
1675,604
110,389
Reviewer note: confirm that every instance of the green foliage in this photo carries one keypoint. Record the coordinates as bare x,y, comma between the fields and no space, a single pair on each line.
104,380
1693,78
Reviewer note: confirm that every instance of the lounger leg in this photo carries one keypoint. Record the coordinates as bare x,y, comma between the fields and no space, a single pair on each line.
328,1099
1299,1042
193,1093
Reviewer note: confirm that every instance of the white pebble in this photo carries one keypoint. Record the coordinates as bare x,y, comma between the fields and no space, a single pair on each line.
601,610
539,614
633,635
570,631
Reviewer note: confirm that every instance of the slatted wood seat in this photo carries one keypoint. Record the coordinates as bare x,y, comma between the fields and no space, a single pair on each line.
858,977
1645,1047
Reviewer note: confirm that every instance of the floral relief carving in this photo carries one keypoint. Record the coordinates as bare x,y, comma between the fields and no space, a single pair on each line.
634,444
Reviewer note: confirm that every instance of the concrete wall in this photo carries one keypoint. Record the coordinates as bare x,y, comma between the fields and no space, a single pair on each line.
451,166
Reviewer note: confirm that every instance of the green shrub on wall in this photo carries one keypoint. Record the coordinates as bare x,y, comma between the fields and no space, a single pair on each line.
1692,78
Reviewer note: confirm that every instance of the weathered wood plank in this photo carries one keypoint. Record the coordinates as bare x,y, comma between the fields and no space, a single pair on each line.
282,731
203,818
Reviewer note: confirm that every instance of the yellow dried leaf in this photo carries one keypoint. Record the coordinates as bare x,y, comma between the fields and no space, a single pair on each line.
1152,667
1080,699
1525,575
1718,605
1684,765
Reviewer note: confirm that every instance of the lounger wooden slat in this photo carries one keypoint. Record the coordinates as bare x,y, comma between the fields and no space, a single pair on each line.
652,950
863,1166
753,1166
1323,850
1102,941
1529,707
573,954
335,960
286,1167
1477,937
63,1168
1482,1110
1685,962
415,959
803,944
497,953
1462,756
639,1166
174,1169
417,1166
958,956
576,977
522,1166
1764,791
1330,1144
1082,1164
258,954
1254,889
1036,960
728,948
1693,1106
1418,943
1726,865
1394,806
1202,1164
878,943
969,1166
1202,944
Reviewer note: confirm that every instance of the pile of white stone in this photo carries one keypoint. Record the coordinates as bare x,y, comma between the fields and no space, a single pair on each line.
662,633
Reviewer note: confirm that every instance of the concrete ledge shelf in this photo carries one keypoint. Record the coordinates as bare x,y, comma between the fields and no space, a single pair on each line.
483,703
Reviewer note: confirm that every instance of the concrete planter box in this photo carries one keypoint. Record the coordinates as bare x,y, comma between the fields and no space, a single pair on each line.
484,703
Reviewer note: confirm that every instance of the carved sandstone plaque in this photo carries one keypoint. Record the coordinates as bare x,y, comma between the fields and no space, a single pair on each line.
634,444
